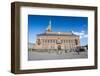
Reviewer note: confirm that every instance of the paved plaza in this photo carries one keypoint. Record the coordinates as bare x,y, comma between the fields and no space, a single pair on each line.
54,54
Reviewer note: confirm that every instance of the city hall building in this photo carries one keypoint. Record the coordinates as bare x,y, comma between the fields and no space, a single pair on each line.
56,40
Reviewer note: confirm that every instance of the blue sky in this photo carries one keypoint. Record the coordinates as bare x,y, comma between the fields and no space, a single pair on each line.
38,23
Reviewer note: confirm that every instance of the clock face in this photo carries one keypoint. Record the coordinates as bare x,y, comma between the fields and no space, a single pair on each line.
59,41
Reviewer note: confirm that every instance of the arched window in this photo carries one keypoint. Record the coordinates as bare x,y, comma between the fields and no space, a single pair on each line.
45,41
76,41
53,41
38,41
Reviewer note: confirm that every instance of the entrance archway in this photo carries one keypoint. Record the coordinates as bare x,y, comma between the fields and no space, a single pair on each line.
59,47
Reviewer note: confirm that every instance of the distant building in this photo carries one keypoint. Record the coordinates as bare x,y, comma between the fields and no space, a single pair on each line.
56,40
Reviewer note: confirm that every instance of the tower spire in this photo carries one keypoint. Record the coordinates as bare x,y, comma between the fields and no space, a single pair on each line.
49,27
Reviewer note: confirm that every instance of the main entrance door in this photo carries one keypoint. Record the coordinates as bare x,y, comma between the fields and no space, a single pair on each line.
59,47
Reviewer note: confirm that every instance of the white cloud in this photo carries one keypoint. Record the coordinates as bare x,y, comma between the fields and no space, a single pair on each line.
82,34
